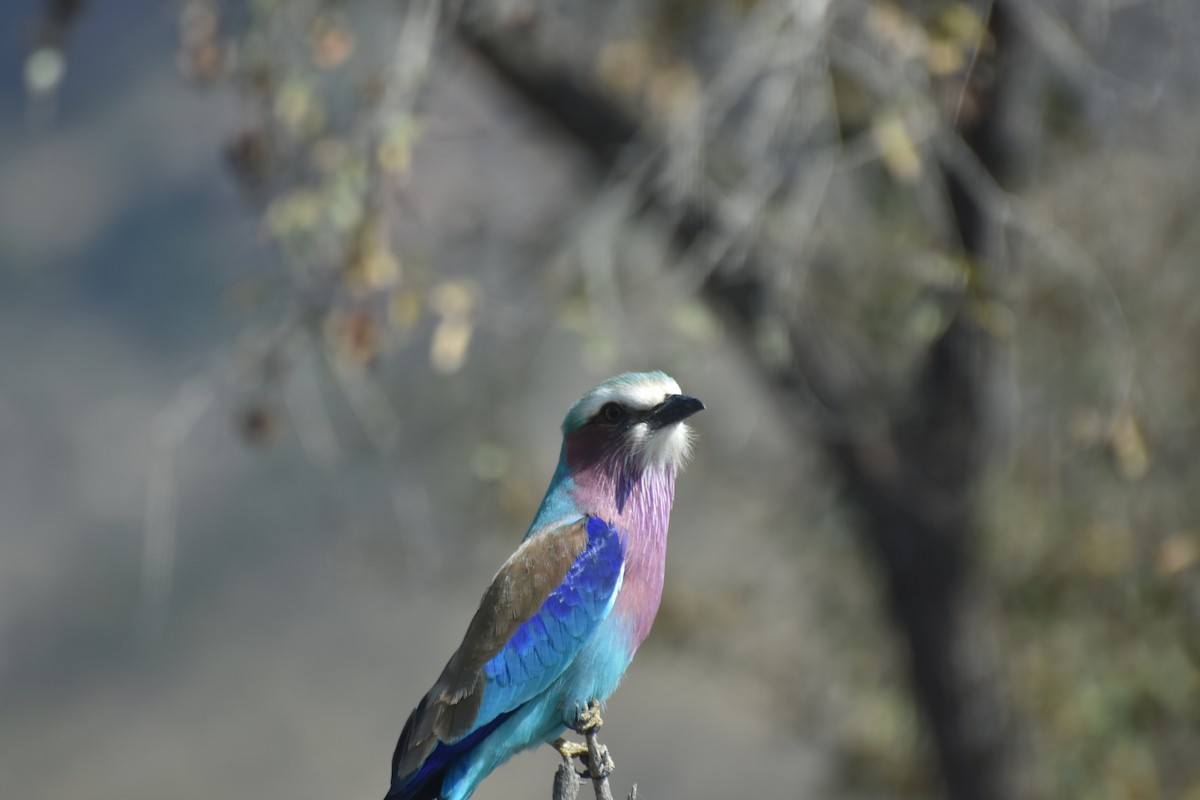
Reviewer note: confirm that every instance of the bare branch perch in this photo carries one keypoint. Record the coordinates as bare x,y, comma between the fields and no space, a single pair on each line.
597,763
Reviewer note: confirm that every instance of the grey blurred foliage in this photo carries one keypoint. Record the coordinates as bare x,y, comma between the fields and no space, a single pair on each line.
286,352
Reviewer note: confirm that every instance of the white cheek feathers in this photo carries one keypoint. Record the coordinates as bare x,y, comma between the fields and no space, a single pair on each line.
667,448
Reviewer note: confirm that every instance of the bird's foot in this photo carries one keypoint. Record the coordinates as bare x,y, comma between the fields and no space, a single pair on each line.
601,768
568,749
597,763
588,718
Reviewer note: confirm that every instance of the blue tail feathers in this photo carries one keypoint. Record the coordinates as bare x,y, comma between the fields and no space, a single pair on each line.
426,782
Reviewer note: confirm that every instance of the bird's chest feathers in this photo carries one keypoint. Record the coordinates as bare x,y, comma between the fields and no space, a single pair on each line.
639,507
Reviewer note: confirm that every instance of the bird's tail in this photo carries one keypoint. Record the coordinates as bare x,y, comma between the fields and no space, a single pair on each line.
427,789
426,782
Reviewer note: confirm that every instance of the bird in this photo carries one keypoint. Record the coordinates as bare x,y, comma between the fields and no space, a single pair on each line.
564,615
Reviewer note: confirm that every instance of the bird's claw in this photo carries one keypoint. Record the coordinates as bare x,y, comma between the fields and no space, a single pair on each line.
569,750
588,719
580,751
597,763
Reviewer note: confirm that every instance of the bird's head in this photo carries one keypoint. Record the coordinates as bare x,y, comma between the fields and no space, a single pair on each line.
632,419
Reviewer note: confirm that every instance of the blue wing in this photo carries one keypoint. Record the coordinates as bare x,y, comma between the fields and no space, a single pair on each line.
545,644
543,604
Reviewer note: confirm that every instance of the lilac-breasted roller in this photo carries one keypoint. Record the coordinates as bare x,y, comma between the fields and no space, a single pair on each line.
563,617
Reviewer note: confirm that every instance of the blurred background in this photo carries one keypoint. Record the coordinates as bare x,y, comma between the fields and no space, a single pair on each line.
293,297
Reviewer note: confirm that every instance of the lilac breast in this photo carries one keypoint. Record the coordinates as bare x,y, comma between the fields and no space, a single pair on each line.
638,505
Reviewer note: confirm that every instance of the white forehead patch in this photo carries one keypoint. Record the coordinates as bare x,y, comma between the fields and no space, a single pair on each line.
642,394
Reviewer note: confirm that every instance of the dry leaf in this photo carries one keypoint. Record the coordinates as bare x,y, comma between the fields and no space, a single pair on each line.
896,147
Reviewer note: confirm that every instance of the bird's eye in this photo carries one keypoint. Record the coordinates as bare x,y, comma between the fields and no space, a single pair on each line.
612,412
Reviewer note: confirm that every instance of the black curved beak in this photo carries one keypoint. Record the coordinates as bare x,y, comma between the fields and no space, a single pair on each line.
676,408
